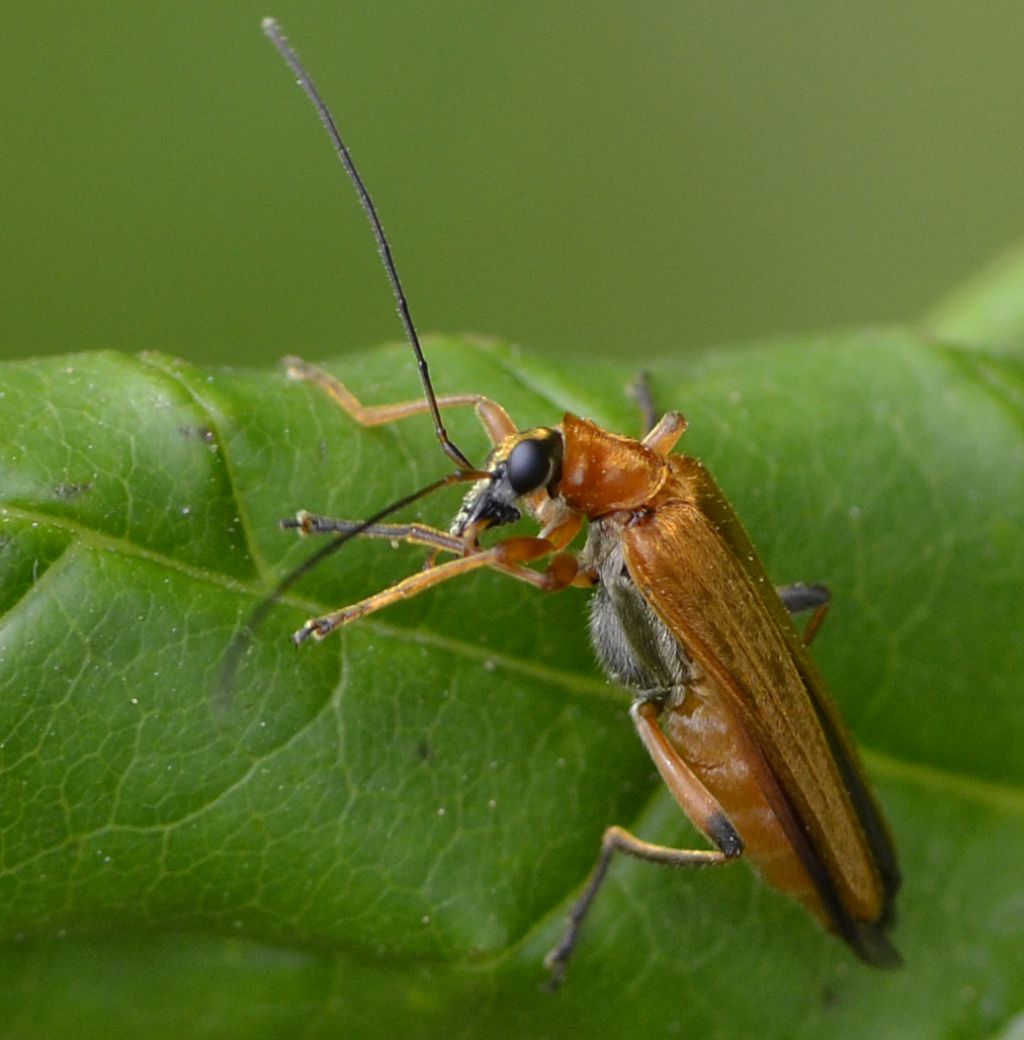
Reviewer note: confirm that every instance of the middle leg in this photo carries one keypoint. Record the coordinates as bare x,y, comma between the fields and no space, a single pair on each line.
800,597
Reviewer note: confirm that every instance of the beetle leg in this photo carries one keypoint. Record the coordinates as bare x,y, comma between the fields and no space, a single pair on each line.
798,597
638,391
413,585
665,432
616,839
659,434
510,557
494,419
693,798
412,534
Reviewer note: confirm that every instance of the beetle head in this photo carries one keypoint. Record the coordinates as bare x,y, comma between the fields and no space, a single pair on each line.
521,465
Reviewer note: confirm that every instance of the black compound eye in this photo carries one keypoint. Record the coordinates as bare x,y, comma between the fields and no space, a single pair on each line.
528,466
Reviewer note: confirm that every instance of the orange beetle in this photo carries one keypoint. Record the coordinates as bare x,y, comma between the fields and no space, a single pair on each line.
727,700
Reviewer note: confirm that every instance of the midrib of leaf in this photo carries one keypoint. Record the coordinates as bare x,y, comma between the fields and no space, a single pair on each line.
97,540
92,538
927,776
960,785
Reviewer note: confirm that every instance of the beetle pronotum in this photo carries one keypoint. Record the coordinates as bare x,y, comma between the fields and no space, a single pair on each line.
726,699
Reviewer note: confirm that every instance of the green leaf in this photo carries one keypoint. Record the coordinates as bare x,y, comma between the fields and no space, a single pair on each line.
380,835
987,309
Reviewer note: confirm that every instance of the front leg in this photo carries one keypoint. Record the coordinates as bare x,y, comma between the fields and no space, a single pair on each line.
307,523
510,556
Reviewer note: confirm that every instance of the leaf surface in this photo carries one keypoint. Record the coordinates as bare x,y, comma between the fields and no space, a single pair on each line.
381,834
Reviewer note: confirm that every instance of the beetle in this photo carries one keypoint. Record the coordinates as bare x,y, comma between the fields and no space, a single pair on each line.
726,698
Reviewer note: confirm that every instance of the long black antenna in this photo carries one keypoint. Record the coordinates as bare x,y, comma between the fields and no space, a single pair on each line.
243,637
274,33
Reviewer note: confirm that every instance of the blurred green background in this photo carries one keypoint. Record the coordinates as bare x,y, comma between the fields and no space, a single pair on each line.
622,179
